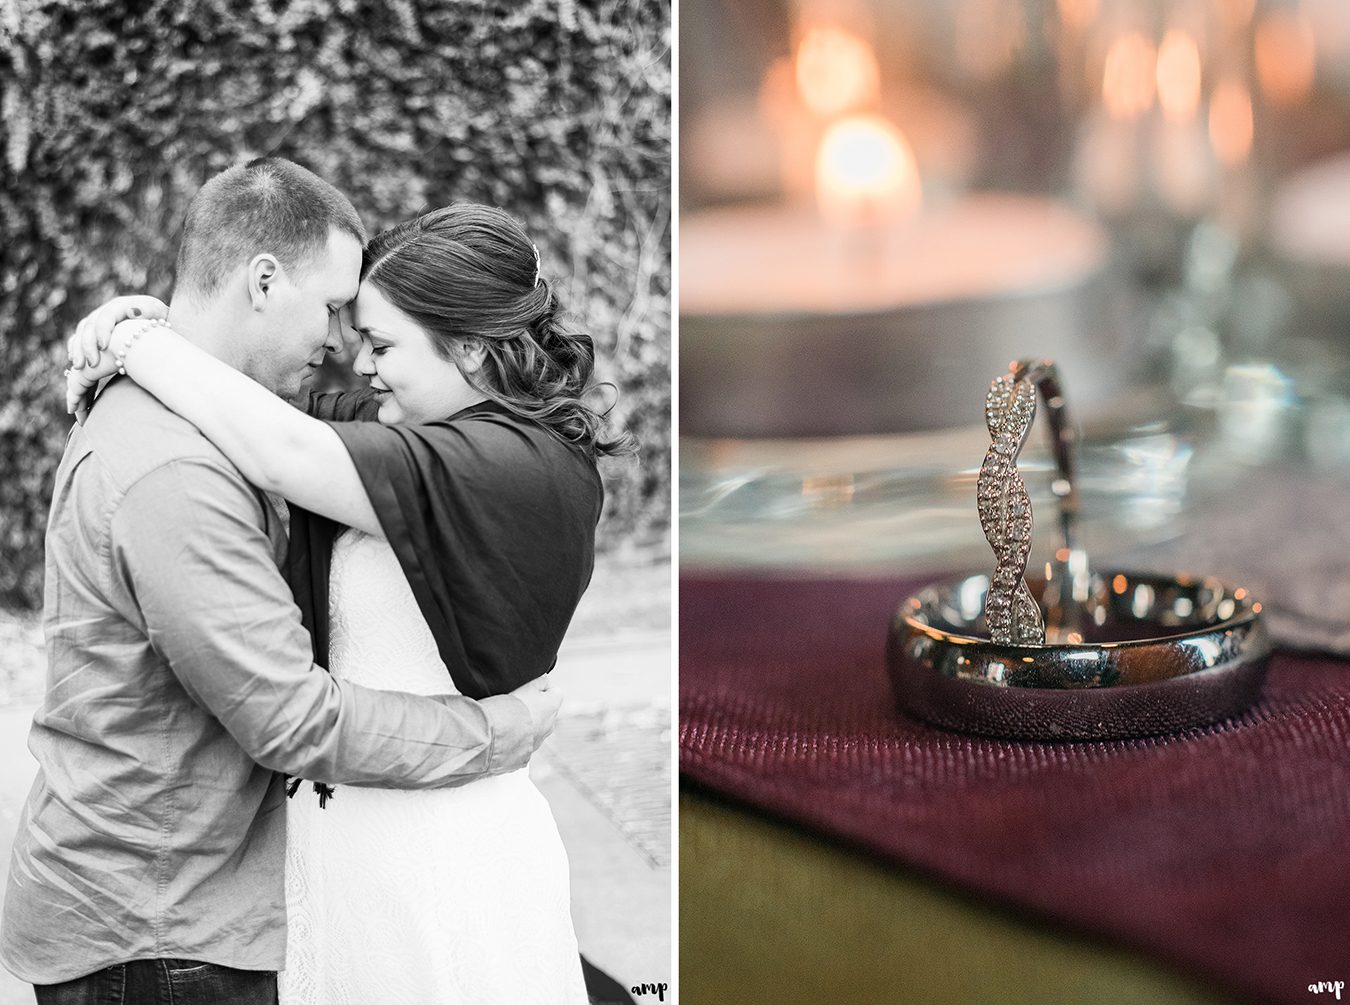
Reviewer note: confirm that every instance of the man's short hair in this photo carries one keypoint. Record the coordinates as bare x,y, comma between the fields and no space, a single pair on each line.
267,205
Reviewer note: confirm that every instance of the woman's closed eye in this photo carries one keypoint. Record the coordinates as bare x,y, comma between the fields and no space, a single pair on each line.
376,348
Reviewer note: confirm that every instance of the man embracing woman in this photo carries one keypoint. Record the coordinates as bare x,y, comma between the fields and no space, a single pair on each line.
365,592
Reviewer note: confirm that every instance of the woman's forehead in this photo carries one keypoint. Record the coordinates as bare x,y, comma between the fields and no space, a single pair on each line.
371,310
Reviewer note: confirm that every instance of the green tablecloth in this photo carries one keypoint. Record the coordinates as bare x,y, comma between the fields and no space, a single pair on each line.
771,913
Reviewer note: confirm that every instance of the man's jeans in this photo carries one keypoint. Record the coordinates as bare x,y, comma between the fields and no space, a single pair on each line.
164,982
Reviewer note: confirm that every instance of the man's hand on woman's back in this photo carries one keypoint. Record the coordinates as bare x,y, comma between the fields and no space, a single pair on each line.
543,700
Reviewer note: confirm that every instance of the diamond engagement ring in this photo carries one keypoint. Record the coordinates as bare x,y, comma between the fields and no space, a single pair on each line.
1005,507
1078,653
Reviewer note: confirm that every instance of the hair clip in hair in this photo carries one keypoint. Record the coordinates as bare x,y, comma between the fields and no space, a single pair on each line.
536,263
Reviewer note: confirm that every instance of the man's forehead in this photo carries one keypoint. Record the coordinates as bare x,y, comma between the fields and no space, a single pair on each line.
345,292
341,274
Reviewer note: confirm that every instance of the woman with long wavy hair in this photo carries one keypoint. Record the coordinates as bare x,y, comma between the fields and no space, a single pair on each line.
442,547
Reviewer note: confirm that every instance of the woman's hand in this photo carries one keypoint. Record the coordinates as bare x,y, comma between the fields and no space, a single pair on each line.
82,381
90,361
275,446
94,333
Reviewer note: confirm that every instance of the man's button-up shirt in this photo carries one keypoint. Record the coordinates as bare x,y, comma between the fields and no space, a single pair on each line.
179,684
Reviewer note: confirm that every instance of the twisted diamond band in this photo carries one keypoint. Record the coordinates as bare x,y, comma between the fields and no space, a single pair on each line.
1011,615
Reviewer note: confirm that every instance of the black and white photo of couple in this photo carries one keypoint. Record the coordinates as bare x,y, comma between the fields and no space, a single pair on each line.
339,352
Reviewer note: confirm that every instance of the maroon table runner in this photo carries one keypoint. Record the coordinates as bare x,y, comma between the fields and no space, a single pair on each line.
1225,850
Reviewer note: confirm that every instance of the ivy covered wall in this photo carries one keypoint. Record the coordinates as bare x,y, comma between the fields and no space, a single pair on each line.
113,114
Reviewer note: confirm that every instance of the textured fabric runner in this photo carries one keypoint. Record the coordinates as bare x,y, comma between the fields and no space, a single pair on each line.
1225,850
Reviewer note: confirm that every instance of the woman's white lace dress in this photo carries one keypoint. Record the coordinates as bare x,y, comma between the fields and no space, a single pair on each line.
419,897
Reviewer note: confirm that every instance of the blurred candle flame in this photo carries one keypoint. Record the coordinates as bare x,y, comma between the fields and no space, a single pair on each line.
866,172
1128,79
1286,56
836,71
1178,76
1230,122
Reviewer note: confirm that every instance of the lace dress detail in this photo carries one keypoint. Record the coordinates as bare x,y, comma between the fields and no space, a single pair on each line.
406,897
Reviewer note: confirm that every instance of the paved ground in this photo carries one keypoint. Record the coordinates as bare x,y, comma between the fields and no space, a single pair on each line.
605,771
16,775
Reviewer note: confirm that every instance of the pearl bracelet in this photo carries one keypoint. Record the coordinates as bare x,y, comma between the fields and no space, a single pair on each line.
121,356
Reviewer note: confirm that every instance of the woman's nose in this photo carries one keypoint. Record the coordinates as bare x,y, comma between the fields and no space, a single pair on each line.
363,365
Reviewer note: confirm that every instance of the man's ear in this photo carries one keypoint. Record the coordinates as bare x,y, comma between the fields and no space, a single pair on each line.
263,272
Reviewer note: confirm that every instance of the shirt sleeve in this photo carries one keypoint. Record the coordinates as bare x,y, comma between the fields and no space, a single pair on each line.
188,538
343,406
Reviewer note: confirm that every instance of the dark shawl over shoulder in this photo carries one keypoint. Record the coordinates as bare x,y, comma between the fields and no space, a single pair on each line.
493,522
